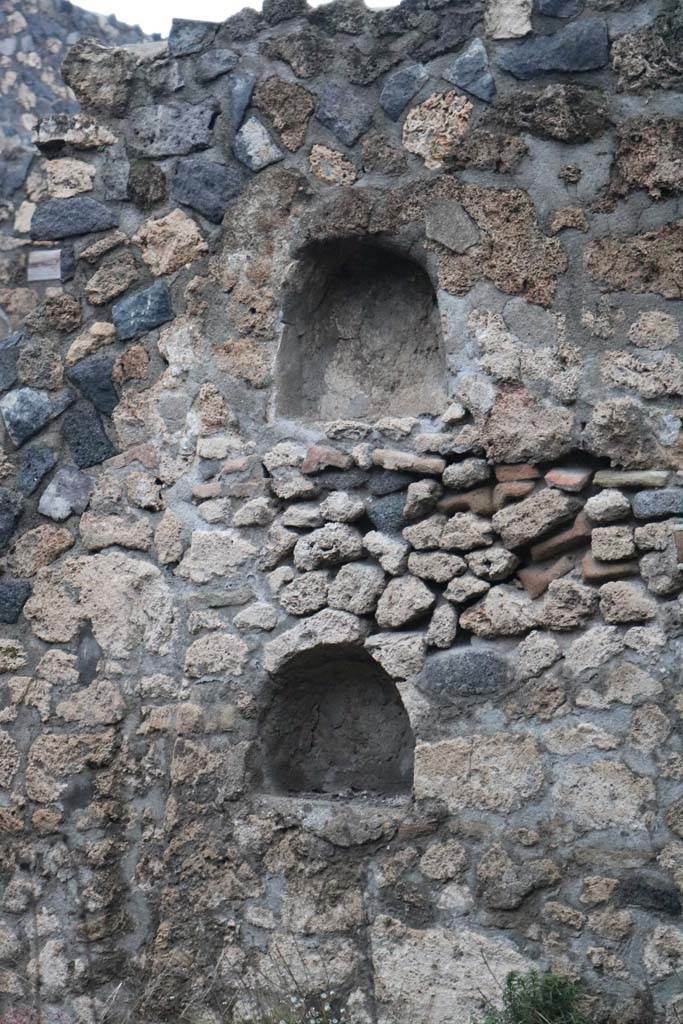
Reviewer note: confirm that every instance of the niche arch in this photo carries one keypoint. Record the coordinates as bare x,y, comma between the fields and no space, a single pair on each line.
361,335
336,725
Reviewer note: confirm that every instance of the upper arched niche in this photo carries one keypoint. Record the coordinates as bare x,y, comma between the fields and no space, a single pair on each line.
361,336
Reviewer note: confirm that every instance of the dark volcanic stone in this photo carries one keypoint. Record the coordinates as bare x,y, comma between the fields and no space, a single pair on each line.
9,350
581,46
399,89
275,11
241,89
243,25
35,463
63,218
172,129
13,169
451,676
346,480
143,311
568,113
307,51
651,891
470,72
215,63
67,262
658,504
343,112
455,28
92,377
146,184
363,67
206,186
385,481
386,513
13,596
68,492
27,410
10,510
83,432
188,36
559,8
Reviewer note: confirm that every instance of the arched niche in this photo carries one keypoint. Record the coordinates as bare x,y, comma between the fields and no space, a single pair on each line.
336,725
361,336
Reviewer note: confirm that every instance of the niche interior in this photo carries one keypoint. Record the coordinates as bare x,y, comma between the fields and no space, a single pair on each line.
361,338
337,725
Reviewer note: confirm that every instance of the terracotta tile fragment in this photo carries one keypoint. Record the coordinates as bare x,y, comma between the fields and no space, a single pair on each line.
479,500
600,572
511,490
536,579
523,471
569,478
568,539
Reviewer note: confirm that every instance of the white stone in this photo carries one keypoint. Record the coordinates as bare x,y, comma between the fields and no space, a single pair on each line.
508,19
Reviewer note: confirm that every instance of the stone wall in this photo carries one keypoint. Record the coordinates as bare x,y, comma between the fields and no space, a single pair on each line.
35,36
382,691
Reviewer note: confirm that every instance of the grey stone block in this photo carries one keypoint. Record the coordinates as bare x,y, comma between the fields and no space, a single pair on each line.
64,218
580,46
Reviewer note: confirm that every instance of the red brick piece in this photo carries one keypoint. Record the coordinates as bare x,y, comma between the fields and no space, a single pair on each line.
480,500
601,572
524,471
536,580
569,478
574,537
318,457
511,490
211,489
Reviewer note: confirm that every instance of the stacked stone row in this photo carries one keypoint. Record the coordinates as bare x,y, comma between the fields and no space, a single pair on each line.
469,545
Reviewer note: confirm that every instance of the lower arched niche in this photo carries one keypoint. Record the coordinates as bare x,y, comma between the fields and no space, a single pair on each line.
336,725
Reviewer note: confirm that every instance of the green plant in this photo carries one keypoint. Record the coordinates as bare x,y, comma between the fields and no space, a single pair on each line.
536,998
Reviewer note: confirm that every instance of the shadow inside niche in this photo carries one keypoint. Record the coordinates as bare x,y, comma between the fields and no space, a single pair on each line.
362,336
336,725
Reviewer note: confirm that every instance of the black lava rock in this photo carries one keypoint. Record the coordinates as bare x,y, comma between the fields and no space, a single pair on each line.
9,350
454,29
206,186
459,676
14,169
35,463
342,111
581,46
385,481
27,410
658,504
92,377
143,311
13,596
399,89
63,218
10,510
239,98
334,480
386,513
215,63
188,36
470,72
172,129
651,891
83,432
559,8
146,184
275,11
